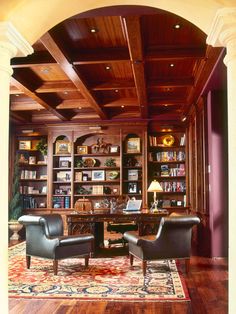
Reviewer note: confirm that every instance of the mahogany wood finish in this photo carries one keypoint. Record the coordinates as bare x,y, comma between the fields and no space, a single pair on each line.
112,63
206,284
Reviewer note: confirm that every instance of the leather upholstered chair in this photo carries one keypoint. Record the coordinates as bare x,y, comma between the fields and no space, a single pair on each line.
172,241
44,238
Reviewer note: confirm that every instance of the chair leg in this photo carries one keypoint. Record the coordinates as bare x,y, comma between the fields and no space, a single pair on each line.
131,259
144,266
28,259
86,260
187,265
55,266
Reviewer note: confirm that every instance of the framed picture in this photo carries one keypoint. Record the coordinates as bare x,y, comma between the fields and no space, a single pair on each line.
132,188
114,149
82,150
64,164
63,147
133,145
133,174
32,160
24,145
97,189
63,176
98,175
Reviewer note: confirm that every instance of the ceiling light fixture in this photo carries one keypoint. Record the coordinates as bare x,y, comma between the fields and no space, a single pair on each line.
122,106
116,90
93,30
27,131
166,105
65,93
80,108
172,65
183,118
108,68
45,71
17,95
177,26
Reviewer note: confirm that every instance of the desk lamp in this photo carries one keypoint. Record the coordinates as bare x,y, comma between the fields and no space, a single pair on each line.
155,187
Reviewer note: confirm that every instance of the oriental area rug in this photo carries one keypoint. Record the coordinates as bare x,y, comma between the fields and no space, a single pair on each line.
104,279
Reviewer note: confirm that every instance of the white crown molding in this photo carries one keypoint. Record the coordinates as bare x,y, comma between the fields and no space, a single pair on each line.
10,35
223,27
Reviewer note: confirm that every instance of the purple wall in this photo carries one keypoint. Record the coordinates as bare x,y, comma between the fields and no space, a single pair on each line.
218,176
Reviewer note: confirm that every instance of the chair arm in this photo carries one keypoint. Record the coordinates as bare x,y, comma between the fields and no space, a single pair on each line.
29,220
132,237
75,239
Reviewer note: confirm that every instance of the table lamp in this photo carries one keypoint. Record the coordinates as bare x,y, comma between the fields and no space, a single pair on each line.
155,187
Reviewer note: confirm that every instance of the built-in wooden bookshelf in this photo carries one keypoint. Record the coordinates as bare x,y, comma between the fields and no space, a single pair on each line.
167,165
102,166
32,172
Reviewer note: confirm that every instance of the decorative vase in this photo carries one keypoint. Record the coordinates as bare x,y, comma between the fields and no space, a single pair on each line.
15,227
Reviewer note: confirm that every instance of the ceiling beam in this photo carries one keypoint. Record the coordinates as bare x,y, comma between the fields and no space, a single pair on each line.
127,102
104,55
48,41
56,87
36,98
175,82
38,58
160,54
166,101
132,30
19,117
112,85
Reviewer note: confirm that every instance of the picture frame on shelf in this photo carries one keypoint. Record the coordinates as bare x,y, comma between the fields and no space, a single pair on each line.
97,189
32,160
63,147
25,145
114,149
82,150
64,164
132,188
98,175
63,176
133,174
133,145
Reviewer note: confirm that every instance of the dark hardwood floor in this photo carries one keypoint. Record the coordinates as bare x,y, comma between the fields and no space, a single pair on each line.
207,284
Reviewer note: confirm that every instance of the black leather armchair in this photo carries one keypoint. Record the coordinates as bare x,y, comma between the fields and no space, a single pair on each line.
173,241
44,238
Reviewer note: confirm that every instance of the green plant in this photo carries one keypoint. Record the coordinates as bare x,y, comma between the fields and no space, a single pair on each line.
15,204
42,146
110,162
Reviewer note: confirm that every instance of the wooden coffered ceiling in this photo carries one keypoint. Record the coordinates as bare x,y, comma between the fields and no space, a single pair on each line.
112,64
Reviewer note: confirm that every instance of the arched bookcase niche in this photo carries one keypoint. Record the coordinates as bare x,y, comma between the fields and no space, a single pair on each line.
97,167
62,187
133,163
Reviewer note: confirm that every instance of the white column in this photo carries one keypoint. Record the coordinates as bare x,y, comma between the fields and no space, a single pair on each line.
223,33
11,44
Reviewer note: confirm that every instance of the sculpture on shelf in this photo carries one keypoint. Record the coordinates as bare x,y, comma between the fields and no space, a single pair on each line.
100,146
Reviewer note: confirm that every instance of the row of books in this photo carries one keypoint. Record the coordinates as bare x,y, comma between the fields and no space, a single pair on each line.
174,186
28,174
25,189
61,202
166,171
29,202
170,156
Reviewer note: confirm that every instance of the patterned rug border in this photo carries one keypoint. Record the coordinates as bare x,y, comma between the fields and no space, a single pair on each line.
104,298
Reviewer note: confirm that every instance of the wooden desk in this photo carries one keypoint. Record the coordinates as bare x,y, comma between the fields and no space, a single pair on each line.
79,223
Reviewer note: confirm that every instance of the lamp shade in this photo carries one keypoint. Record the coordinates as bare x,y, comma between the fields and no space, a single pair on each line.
155,187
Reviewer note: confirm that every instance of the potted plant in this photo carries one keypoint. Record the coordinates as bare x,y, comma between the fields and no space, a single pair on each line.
42,146
15,205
